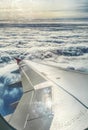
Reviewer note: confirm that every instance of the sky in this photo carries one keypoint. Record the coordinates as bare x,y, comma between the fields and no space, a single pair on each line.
43,9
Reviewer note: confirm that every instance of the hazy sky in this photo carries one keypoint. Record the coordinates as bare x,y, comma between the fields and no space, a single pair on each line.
32,9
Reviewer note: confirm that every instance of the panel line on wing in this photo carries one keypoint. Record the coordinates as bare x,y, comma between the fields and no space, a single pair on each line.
70,94
28,91
27,77
41,117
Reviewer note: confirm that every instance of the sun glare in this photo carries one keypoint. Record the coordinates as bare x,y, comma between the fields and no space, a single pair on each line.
39,8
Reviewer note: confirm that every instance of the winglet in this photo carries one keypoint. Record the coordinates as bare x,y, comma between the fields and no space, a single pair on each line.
18,60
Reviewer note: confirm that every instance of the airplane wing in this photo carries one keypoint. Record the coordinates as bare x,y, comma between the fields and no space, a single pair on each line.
53,99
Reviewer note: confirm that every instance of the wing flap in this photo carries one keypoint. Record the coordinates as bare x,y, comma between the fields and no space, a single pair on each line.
40,113
20,116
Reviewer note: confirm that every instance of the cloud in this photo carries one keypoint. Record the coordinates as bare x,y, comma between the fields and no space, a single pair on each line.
1,89
11,78
14,93
9,95
1,104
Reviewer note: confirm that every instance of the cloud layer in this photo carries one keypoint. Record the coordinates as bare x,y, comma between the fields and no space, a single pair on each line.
8,95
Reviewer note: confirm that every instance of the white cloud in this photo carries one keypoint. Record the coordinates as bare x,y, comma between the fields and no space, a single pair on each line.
14,93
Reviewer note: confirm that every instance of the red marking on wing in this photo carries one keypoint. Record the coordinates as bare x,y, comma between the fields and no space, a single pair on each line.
18,60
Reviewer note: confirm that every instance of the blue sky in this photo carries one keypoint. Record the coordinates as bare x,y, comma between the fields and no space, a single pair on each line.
38,9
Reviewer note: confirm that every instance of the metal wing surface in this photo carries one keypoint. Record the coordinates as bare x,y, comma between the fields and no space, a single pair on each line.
53,99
